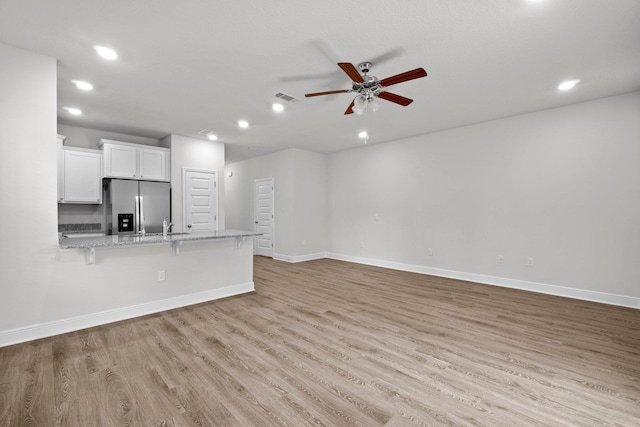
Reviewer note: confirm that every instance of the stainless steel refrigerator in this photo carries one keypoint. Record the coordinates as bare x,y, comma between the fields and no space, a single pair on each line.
135,207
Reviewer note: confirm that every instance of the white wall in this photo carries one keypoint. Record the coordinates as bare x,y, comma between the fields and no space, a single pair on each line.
28,206
197,154
311,232
560,186
44,291
300,200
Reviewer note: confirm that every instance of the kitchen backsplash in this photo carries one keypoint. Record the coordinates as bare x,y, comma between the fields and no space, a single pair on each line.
82,228
80,214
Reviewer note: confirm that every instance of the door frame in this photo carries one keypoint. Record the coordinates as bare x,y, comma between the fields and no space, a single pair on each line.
185,170
273,211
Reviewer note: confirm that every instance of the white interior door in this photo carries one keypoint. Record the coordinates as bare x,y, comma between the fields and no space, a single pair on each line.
264,216
200,200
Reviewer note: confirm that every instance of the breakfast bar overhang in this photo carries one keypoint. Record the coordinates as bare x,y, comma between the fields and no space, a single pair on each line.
175,240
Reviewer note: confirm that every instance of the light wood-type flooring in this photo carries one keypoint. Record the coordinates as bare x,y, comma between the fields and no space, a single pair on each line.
329,343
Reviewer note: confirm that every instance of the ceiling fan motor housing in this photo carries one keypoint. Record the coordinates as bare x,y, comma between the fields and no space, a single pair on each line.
370,84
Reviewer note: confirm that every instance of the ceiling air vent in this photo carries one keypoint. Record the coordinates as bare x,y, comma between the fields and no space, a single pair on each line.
286,97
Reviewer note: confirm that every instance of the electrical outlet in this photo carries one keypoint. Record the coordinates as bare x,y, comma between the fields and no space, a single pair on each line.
161,275
500,259
529,262
430,252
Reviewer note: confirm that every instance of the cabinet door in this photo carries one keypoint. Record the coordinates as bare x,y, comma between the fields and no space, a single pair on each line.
153,164
82,177
120,161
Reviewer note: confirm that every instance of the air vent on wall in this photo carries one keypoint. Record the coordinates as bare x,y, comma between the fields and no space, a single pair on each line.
286,97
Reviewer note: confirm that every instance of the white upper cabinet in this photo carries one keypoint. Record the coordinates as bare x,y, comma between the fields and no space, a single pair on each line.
126,160
120,161
82,176
153,164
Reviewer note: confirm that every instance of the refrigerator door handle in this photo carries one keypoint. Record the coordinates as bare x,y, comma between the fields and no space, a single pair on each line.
141,204
136,219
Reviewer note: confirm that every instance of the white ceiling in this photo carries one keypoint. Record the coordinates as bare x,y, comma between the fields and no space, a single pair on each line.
190,65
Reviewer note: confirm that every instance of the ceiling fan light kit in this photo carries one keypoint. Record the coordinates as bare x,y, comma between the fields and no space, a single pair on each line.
361,102
369,88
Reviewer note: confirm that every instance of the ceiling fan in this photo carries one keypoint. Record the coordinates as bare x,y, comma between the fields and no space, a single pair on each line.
370,88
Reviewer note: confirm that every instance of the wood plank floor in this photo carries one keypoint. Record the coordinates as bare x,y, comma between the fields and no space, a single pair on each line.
329,343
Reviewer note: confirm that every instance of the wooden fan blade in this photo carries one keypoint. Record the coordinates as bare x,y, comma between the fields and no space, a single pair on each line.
351,71
331,92
350,109
403,77
395,98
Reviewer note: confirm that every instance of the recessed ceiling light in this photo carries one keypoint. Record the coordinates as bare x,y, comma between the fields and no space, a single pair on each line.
106,52
212,137
73,110
363,134
277,107
568,85
82,85
243,124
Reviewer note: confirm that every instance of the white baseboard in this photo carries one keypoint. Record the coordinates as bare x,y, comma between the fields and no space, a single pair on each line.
581,294
300,258
33,332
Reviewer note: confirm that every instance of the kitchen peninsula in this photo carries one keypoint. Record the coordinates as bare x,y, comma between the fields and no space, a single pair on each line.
133,276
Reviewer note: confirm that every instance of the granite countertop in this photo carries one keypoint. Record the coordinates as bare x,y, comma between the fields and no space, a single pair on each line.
147,239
